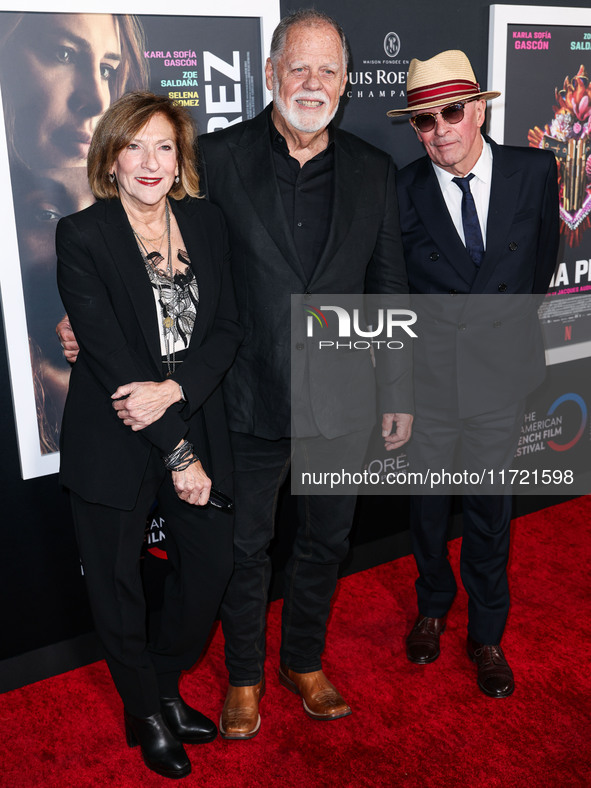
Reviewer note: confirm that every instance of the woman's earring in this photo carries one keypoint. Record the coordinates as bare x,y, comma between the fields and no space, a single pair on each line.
176,179
112,177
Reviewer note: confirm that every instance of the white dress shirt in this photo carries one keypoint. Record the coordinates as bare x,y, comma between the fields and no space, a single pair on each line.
479,186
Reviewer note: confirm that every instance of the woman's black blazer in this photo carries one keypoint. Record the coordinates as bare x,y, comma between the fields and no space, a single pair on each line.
110,303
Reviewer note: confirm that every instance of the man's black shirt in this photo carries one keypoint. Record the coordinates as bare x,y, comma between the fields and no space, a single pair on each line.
306,193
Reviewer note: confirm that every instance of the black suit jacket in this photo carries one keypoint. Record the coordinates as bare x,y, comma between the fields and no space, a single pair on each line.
110,303
477,353
363,253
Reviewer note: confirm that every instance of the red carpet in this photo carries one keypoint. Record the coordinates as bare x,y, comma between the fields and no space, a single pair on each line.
417,726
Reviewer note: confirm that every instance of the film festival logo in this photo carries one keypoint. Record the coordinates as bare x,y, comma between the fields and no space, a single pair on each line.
154,536
559,430
389,322
568,137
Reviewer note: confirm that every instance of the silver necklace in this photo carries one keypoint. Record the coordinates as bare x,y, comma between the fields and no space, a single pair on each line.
167,320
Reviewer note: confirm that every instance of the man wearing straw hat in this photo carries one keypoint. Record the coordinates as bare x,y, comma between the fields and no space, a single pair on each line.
477,218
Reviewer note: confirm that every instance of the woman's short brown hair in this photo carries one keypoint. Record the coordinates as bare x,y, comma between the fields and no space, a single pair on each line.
118,127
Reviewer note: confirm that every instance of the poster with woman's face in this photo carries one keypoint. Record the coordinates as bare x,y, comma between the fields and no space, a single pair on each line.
58,73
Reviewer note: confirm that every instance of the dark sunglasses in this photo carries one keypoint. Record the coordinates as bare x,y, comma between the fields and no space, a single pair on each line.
453,113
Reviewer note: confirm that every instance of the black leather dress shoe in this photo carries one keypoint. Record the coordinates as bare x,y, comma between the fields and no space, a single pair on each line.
422,643
186,724
162,753
495,677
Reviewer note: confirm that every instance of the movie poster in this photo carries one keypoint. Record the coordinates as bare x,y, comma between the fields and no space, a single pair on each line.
58,74
541,60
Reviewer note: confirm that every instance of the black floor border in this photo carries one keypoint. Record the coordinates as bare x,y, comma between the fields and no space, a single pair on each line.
49,661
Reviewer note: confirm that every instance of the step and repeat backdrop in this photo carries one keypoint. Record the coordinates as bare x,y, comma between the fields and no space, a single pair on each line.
60,69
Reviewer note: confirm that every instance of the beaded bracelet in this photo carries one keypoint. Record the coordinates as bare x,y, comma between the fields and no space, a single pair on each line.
180,458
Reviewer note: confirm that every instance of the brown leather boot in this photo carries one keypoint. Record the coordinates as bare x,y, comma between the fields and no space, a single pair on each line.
240,717
321,700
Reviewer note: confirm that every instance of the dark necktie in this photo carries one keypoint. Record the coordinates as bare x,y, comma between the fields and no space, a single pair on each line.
472,233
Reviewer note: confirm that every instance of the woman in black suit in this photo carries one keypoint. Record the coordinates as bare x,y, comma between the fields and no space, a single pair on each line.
144,275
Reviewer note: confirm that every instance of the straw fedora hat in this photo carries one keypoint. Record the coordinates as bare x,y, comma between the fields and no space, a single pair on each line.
442,79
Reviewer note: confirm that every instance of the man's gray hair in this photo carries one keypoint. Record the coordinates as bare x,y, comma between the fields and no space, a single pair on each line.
311,18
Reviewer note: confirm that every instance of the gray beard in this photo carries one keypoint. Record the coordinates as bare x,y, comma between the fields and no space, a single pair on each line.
292,117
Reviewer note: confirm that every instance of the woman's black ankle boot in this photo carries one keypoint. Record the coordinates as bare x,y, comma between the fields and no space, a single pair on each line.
187,724
161,752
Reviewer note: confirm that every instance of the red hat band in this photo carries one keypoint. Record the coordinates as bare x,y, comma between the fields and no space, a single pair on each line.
440,92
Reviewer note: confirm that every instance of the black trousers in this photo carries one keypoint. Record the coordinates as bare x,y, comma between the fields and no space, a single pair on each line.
199,548
320,544
444,442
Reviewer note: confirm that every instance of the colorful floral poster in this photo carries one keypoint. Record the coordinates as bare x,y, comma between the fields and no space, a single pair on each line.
541,60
